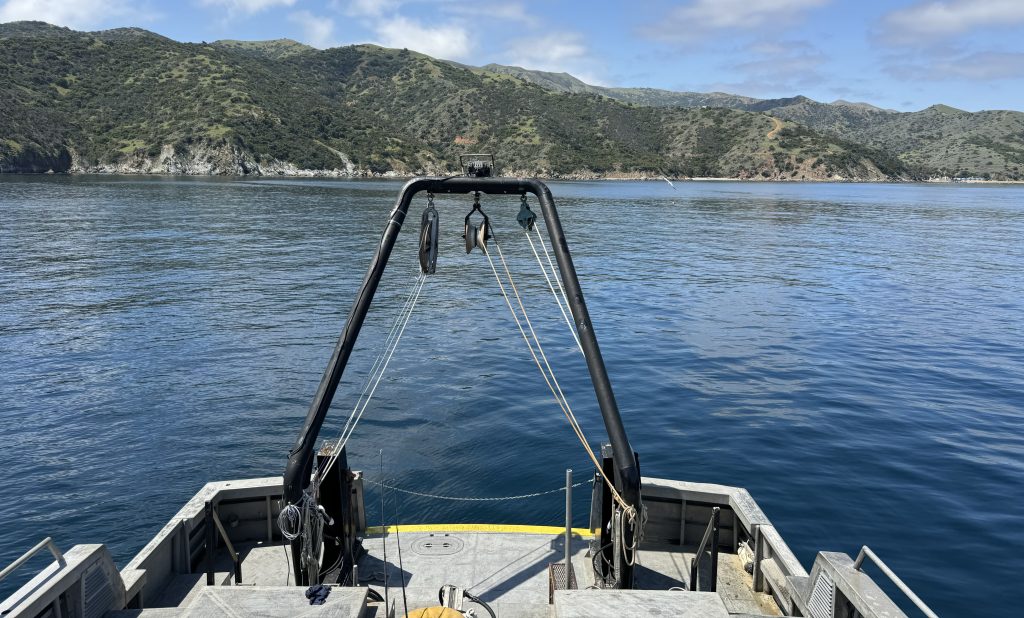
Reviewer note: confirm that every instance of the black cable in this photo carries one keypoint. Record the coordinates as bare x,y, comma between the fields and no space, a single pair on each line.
374,596
474,599
597,569
479,602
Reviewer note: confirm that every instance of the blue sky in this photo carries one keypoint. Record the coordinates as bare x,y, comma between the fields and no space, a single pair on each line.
901,54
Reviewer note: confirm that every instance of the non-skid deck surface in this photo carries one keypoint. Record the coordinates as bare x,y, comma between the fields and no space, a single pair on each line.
507,571
637,604
665,567
262,565
269,602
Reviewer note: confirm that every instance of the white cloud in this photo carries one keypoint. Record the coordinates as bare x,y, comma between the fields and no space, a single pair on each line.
78,14
776,69
936,20
372,8
548,53
248,7
978,66
450,42
700,18
506,11
558,52
317,30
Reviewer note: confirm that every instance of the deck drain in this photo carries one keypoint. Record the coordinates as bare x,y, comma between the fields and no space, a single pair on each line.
437,545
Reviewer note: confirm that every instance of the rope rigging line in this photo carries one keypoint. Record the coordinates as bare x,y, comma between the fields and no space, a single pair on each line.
376,363
388,339
630,513
374,379
473,499
554,271
558,299
305,520
549,375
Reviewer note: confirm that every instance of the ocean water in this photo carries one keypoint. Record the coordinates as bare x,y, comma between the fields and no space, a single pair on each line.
851,354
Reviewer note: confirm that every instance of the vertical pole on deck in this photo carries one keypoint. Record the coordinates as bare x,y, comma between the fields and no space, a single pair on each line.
568,522
211,542
714,552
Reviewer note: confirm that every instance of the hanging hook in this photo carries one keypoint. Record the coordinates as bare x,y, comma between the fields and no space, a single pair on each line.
429,228
526,217
477,235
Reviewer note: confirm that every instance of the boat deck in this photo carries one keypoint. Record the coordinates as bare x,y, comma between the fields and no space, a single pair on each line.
505,566
668,566
507,570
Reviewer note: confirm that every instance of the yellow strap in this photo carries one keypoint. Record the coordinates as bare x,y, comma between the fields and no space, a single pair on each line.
496,528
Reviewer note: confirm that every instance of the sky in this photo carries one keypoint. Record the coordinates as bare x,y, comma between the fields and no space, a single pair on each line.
898,54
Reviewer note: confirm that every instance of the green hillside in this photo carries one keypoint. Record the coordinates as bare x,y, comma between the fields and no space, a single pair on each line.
128,100
276,49
942,139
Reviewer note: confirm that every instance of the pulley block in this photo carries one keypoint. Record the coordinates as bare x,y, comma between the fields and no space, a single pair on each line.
429,228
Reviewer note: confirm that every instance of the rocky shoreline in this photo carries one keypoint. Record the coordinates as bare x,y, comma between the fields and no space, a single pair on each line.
290,171
204,159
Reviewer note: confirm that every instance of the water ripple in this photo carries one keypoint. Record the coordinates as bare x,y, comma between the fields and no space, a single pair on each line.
853,354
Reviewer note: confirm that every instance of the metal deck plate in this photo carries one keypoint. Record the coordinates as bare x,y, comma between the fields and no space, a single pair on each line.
438,545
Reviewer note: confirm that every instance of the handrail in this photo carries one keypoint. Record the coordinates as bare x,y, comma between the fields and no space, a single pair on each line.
48,543
866,551
213,516
231,548
710,533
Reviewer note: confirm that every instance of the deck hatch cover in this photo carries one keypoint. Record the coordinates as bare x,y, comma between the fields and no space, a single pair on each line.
437,545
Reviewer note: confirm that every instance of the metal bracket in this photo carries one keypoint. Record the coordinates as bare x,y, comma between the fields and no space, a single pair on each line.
451,596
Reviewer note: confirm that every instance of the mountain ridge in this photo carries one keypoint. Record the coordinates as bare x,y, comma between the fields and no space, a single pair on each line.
947,140
127,100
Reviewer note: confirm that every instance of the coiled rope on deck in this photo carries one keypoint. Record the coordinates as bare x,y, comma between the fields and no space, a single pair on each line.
305,520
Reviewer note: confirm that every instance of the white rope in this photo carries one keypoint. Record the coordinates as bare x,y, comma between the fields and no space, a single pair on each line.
549,375
630,511
558,298
374,378
305,520
399,319
387,345
630,517
463,499
554,271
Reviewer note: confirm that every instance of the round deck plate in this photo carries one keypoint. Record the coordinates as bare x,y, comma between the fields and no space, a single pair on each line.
437,545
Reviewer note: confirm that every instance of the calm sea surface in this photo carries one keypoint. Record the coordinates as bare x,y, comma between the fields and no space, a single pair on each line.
851,354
